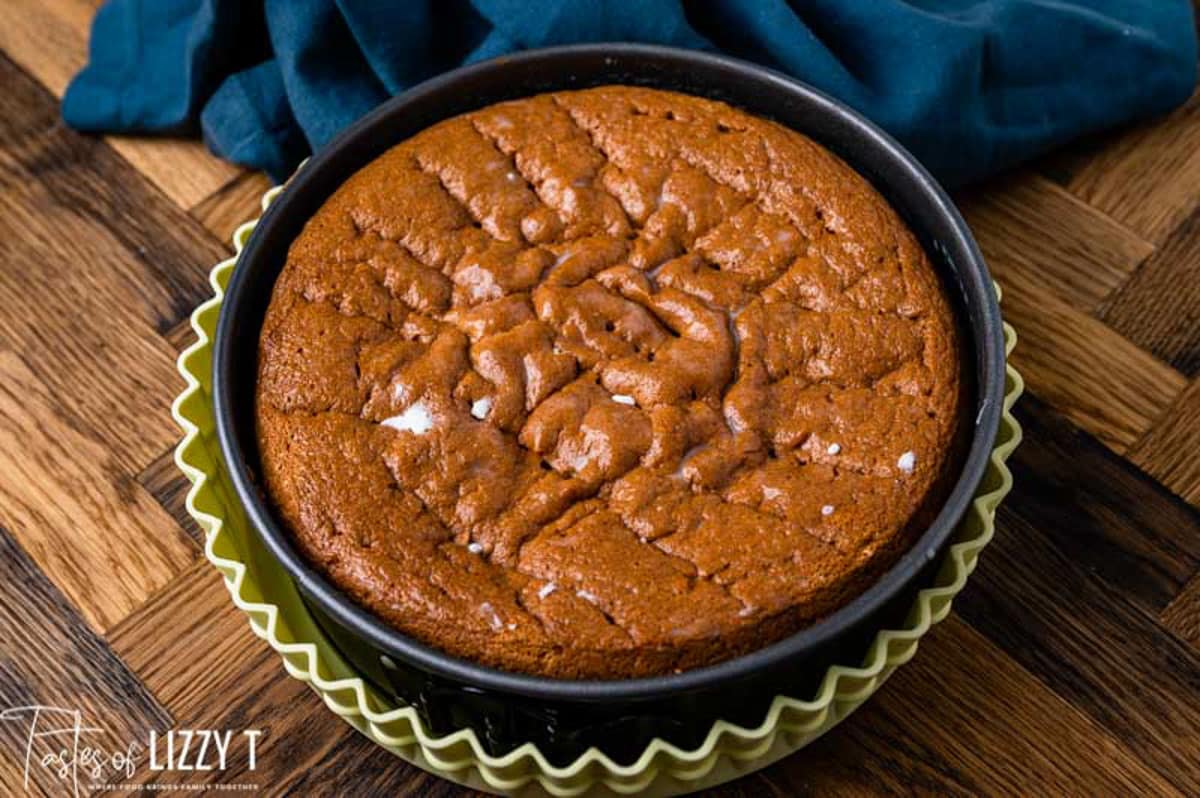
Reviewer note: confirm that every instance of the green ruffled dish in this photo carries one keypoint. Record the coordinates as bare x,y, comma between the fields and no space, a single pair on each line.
262,590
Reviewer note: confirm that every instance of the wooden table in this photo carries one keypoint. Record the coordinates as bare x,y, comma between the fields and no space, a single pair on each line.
1070,665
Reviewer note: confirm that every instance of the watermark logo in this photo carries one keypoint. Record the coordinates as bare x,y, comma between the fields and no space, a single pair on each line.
60,743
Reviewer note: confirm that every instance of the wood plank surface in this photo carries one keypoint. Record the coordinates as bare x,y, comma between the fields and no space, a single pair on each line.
1158,308
1074,588
1033,232
48,38
1182,616
234,204
87,244
1102,382
1168,450
956,723
57,478
1070,665
1146,177
1102,513
53,658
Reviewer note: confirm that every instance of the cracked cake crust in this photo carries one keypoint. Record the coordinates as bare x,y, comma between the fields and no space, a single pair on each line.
607,383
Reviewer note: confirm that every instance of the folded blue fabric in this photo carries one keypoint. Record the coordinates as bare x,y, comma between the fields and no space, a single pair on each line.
970,86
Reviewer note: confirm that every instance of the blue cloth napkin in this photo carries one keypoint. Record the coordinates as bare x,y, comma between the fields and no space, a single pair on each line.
969,86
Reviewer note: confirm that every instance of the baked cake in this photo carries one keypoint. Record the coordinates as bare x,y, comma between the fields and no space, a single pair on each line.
605,384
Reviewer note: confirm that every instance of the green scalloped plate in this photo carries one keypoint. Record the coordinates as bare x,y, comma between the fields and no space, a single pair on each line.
260,588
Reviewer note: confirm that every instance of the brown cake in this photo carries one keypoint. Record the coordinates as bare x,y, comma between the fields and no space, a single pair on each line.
606,383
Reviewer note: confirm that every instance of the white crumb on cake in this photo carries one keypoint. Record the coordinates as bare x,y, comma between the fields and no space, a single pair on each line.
493,617
415,419
481,407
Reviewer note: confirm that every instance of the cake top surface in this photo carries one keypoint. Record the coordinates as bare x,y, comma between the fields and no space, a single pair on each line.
605,383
